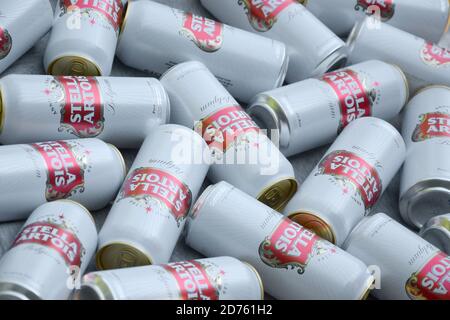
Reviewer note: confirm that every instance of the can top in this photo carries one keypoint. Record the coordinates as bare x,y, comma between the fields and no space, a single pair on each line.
278,194
314,223
94,288
437,232
74,66
11,291
121,255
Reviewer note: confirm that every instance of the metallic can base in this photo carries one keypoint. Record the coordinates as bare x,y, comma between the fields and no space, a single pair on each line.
117,255
73,66
277,195
11,291
314,223
437,232
94,288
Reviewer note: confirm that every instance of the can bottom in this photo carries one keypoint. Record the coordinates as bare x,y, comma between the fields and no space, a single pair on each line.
437,232
73,66
278,194
94,288
314,223
11,291
117,255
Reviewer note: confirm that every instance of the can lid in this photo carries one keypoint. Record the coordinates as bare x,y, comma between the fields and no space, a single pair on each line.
355,34
314,223
117,255
94,288
437,232
12,291
278,194
73,66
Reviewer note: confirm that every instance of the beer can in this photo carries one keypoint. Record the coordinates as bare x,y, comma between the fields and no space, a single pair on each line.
193,6
49,254
150,210
88,171
311,113
242,154
156,37
423,62
408,266
84,37
426,19
120,111
293,262
437,232
349,180
313,48
425,180
221,278
22,24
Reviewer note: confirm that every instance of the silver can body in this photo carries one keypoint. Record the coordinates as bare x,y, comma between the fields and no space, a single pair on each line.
293,262
22,24
437,232
157,37
149,213
84,37
409,266
50,253
313,48
87,171
121,110
424,63
221,278
349,180
311,113
425,181
243,156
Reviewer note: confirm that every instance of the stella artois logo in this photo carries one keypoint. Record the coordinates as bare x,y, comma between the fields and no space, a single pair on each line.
290,246
153,185
353,172
386,8
435,56
207,34
262,14
5,43
432,281
193,281
432,125
355,96
65,170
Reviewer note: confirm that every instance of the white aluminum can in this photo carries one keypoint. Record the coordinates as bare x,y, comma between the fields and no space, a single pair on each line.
149,213
221,278
50,253
437,232
409,267
424,63
313,48
88,171
293,262
157,37
426,19
349,180
242,154
425,181
193,6
84,37
22,24
311,113
120,111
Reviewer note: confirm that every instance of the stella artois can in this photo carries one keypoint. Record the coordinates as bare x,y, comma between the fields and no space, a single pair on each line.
149,213
425,181
437,232
312,47
242,154
424,63
50,253
84,37
426,19
156,37
409,266
193,6
120,111
311,113
88,171
293,262
222,278
349,180
22,24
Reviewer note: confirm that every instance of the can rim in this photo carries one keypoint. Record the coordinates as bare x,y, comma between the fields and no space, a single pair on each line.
330,234
355,34
280,204
284,68
18,291
335,60
180,66
439,229
96,285
82,207
429,87
135,247
367,288
405,80
125,18
55,60
121,159
258,276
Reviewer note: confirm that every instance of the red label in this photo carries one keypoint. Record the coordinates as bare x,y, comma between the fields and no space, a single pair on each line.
54,237
207,34
354,99
432,125
193,281
150,182
64,173
432,282
290,246
82,112
5,43
262,14
386,8
350,167
434,55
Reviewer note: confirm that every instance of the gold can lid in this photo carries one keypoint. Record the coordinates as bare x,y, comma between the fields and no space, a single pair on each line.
73,66
277,195
315,224
121,255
